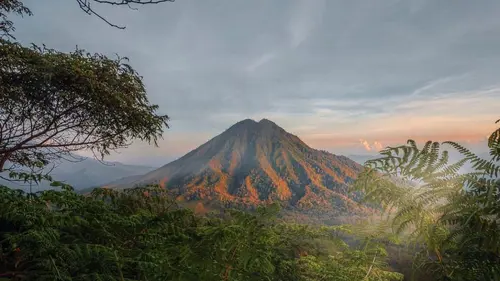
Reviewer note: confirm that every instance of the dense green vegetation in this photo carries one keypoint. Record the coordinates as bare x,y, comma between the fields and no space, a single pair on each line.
54,103
452,218
141,234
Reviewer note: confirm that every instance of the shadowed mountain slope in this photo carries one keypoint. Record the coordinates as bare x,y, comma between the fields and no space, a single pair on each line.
257,162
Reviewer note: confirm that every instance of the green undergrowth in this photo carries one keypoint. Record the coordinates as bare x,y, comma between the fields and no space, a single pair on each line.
141,234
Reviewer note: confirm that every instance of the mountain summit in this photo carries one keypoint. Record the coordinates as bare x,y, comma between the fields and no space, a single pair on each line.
255,162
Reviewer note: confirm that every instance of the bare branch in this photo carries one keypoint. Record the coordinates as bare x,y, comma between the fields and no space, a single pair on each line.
85,5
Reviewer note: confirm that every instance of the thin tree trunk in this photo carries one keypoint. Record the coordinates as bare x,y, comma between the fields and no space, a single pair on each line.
370,269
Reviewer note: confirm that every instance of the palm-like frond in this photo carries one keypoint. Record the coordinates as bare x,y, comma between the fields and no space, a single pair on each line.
455,215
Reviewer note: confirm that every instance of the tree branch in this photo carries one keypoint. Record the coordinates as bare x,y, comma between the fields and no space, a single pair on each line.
88,9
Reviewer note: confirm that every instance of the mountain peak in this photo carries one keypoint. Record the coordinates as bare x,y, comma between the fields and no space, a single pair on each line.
268,123
247,121
267,126
264,125
254,162
243,124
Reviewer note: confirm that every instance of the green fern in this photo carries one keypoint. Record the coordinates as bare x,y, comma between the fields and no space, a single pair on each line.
455,216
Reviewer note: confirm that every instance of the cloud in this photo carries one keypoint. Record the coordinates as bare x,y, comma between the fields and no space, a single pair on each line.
305,16
377,145
433,84
263,59
332,72
366,144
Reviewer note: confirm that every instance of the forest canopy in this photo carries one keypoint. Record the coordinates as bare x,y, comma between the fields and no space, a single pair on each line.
141,234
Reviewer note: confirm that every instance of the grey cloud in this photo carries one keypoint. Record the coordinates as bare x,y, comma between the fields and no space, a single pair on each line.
210,63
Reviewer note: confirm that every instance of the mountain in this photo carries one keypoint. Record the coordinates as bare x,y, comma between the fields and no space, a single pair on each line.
362,158
87,173
257,162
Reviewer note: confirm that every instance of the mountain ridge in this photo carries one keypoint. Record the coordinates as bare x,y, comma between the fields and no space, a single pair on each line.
257,162
84,174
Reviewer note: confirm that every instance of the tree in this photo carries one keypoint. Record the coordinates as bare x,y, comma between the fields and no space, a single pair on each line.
17,7
53,103
453,217
10,6
87,7
133,235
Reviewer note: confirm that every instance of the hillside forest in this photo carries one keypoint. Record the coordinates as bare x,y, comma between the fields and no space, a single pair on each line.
433,222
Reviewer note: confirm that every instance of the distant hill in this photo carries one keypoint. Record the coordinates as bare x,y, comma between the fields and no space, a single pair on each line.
87,173
362,158
257,162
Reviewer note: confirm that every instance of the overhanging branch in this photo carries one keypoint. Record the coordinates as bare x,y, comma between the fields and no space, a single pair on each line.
86,6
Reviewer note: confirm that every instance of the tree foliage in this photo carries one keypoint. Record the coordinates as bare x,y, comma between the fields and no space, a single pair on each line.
6,7
141,234
53,103
455,216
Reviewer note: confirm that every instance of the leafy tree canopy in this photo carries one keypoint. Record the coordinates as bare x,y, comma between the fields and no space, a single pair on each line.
52,103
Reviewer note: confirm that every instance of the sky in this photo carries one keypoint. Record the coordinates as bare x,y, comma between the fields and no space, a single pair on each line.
350,77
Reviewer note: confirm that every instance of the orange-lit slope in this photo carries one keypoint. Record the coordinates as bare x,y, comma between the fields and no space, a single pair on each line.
254,162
